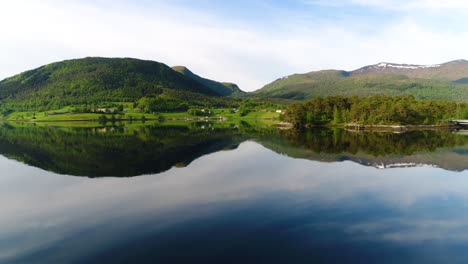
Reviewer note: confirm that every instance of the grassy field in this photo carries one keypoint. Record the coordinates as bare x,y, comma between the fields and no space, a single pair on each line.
66,114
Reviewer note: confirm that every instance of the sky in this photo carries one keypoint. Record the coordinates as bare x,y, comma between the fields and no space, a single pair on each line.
250,43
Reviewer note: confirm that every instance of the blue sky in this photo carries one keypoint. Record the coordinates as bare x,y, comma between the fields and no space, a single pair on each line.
248,42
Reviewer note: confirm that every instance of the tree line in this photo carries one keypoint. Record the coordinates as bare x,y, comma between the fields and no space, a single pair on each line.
373,110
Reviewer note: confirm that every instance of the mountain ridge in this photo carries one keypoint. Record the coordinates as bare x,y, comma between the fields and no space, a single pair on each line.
446,81
92,80
222,88
444,70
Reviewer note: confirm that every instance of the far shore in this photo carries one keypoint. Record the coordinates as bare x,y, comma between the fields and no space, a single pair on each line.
109,120
400,128
375,128
276,123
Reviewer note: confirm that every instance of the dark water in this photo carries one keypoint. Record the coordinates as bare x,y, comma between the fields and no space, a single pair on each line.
231,193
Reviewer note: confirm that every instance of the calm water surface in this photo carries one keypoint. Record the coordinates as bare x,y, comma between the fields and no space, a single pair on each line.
231,193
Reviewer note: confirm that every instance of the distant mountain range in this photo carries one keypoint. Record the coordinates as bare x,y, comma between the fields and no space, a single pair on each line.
94,80
448,81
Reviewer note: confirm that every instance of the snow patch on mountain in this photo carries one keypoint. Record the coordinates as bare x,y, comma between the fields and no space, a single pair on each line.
405,66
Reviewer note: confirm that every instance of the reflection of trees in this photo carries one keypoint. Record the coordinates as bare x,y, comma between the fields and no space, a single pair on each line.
113,150
377,144
136,149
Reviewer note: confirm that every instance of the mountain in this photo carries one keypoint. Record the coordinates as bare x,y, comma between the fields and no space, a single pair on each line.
234,88
447,81
93,80
450,71
225,89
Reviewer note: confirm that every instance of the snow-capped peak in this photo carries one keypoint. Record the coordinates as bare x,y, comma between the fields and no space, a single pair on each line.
404,66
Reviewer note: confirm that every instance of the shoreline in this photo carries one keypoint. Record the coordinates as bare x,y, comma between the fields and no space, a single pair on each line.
376,128
399,128
134,120
278,125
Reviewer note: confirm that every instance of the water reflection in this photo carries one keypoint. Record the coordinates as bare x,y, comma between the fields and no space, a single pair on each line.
126,150
137,149
441,148
248,205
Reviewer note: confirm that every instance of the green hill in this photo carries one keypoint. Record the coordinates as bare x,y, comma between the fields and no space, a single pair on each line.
433,82
225,89
94,80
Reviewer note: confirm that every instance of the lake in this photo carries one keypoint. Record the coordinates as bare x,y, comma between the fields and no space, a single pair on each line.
230,193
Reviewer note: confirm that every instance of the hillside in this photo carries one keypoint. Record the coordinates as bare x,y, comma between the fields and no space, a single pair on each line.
225,89
94,80
448,81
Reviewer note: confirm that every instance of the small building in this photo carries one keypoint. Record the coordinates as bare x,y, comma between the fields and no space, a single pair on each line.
104,110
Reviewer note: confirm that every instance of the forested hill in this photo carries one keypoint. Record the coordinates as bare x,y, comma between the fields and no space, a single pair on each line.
225,89
447,81
94,80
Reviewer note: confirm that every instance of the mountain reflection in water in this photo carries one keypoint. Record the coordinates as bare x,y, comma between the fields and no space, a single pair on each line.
230,193
138,149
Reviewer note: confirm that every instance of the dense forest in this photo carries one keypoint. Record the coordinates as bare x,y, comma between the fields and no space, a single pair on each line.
373,110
